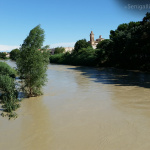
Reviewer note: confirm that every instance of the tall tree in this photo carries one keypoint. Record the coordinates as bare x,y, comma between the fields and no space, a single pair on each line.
32,62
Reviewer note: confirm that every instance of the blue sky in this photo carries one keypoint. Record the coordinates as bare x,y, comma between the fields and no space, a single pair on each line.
64,21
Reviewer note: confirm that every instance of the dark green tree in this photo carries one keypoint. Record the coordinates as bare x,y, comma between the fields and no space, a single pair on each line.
131,48
3,55
81,44
32,62
105,50
14,54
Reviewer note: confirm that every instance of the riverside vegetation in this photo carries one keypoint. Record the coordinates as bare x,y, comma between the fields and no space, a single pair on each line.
128,47
32,60
9,93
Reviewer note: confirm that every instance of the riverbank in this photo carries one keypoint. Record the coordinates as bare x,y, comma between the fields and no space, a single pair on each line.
90,60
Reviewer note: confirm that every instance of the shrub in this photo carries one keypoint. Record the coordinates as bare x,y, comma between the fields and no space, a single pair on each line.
5,69
59,50
3,55
8,90
7,84
85,56
14,54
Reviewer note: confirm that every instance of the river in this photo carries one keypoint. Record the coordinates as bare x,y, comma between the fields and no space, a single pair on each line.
83,108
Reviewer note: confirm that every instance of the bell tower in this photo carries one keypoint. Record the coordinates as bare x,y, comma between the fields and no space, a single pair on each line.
92,38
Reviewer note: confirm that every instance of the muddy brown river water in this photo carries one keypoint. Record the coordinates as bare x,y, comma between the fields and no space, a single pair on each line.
83,109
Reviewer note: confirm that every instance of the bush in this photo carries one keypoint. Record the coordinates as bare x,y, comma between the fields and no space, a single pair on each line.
57,58
85,57
59,50
3,55
8,90
14,54
7,84
5,69
10,103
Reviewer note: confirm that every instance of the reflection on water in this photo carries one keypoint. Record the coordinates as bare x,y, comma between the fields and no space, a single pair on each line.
83,109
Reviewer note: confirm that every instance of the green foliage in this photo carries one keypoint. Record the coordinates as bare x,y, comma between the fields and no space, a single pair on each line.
59,50
3,55
81,44
105,49
128,47
10,103
5,69
6,84
32,62
131,48
85,57
57,58
14,54
8,90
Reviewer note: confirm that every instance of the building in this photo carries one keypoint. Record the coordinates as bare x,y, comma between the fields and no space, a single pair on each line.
67,49
93,42
7,54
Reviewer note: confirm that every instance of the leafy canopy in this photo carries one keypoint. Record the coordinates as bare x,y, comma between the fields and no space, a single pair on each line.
5,69
14,54
59,50
32,62
81,44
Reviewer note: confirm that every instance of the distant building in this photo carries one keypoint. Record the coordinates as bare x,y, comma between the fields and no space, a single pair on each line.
67,49
93,42
7,54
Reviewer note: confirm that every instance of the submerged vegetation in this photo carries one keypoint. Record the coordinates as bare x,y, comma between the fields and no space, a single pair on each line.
128,47
32,60
9,93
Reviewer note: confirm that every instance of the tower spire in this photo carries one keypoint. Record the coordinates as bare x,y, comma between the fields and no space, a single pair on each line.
92,38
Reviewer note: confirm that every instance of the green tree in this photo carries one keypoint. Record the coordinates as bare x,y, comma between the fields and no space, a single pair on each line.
81,44
32,62
14,54
105,49
59,50
3,55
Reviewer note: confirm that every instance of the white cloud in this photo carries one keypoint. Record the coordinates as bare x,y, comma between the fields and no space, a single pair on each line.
7,48
71,44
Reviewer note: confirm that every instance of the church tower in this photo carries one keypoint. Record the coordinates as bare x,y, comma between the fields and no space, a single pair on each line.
92,38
